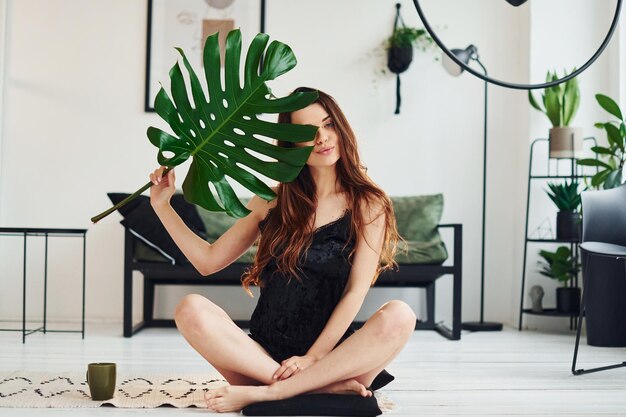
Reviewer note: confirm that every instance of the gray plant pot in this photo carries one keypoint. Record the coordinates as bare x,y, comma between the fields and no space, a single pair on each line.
566,142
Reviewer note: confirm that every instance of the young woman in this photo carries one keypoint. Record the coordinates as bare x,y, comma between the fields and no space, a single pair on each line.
323,242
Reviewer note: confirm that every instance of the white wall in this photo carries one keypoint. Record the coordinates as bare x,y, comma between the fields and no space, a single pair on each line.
75,130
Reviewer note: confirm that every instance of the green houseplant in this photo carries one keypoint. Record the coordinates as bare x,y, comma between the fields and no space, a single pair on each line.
609,160
566,197
217,131
560,104
400,44
562,266
399,50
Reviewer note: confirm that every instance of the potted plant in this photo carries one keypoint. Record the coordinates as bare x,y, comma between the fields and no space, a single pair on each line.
562,266
400,46
560,104
567,199
610,170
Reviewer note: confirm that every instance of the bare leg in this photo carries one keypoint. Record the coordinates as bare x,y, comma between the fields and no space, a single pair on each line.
359,356
210,331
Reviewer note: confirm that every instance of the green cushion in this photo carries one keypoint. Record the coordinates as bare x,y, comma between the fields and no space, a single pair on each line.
417,218
217,223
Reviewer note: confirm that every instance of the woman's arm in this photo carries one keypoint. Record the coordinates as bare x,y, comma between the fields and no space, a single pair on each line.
365,261
207,258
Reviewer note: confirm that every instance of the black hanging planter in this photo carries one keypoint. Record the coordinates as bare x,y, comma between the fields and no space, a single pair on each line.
398,59
568,224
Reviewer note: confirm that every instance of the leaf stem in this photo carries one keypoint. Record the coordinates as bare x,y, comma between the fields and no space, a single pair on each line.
127,200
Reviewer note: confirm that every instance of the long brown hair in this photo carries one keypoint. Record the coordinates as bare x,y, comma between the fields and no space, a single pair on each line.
290,221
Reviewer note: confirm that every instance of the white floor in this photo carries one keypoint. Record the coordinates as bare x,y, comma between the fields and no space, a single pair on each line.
504,373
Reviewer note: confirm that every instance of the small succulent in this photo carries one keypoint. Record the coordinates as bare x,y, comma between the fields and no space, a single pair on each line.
565,196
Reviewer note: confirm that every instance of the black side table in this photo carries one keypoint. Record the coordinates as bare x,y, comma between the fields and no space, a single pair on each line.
25,232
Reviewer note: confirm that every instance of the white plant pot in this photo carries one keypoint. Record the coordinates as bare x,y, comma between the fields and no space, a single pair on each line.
566,142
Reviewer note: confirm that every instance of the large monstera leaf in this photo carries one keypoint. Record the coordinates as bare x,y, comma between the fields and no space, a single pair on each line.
222,132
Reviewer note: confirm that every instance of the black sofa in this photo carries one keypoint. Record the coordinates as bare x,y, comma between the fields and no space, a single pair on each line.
160,271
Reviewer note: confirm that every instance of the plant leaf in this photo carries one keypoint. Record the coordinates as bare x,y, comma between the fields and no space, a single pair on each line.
614,179
571,99
533,102
598,179
601,150
591,162
553,106
608,104
221,132
613,135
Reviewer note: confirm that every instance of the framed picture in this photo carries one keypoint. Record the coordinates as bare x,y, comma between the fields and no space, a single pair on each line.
186,24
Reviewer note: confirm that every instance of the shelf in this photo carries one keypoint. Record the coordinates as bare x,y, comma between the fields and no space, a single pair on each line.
564,177
550,312
553,240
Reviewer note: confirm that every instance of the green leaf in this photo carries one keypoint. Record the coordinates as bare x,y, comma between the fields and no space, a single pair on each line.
598,179
571,101
613,135
608,104
614,179
591,162
601,150
533,102
552,103
222,132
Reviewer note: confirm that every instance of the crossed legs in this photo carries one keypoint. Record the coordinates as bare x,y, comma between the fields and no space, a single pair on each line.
249,368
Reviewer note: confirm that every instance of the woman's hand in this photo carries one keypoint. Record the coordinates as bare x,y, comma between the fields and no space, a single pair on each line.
163,189
292,366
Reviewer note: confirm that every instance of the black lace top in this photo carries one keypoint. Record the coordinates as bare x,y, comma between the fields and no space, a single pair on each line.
291,314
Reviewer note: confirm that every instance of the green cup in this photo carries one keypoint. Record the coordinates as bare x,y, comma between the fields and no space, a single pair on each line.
101,380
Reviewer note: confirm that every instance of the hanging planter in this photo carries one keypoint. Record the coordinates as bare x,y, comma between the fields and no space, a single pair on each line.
400,49
399,58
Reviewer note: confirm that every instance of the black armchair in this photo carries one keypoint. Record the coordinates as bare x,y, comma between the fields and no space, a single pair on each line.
604,236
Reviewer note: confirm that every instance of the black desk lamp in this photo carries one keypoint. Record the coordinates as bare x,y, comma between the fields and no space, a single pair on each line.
465,55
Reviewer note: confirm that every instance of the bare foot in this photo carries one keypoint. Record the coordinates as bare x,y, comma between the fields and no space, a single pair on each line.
350,386
235,397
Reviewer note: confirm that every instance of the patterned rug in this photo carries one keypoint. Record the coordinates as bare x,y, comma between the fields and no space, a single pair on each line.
70,390
24,389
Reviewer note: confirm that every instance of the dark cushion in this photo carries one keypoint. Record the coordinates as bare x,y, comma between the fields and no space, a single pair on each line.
382,379
316,405
142,221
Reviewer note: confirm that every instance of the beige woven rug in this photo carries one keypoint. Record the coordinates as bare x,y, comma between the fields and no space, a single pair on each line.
70,390
23,389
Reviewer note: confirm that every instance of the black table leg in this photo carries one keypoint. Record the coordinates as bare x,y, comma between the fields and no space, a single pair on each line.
45,284
24,295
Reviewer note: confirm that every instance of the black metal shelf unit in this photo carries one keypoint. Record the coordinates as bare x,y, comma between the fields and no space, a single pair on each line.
575,172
